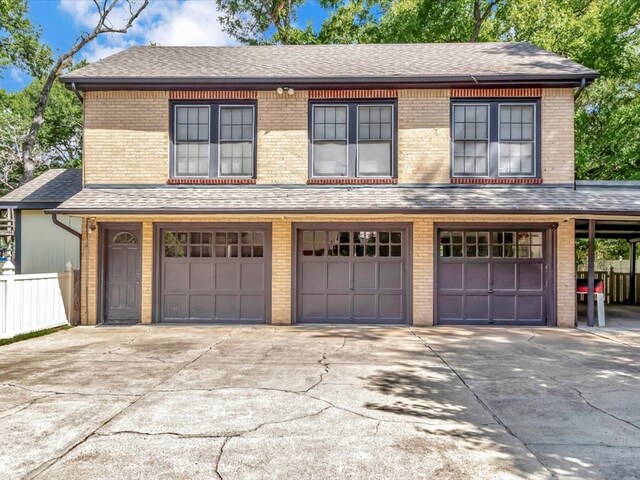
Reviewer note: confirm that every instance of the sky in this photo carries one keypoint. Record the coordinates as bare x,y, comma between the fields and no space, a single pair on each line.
164,22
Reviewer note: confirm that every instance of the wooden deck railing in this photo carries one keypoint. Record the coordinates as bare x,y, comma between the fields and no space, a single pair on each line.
616,285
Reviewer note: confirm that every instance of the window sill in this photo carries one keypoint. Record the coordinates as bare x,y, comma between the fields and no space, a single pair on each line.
352,181
497,181
211,181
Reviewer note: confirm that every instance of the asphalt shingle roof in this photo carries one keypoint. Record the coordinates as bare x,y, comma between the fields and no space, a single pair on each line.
357,62
53,186
388,199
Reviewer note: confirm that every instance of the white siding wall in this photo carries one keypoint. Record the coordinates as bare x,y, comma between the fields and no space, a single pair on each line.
45,247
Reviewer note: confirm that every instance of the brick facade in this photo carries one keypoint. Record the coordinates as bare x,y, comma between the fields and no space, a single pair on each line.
422,259
127,132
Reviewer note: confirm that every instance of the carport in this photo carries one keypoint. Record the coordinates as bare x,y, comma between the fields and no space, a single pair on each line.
613,229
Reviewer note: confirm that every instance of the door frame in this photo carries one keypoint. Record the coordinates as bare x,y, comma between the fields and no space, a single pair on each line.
158,227
550,260
103,246
406,227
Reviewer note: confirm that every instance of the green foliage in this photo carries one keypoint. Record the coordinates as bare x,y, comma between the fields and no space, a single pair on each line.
19,41
263,21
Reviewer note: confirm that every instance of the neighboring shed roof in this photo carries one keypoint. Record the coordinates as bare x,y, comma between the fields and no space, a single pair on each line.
360,199
363,63
49,189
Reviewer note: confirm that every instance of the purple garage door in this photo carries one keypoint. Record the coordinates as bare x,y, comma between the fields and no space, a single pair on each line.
352,276
214,275
491,277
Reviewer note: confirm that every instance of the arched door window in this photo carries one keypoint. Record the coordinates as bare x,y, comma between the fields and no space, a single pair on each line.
124,238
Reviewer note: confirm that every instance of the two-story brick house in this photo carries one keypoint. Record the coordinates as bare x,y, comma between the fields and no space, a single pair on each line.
310,184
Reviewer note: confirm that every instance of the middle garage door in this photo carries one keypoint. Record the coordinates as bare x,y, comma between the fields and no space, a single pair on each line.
348,275
209,273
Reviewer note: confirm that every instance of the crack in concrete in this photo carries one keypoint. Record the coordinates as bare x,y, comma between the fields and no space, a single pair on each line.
324,361
50,393
483,404
217,468
23,406
595,407
542,347
552,444
49,463
605,337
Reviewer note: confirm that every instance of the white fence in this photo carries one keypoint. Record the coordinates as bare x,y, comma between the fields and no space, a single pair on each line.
35,301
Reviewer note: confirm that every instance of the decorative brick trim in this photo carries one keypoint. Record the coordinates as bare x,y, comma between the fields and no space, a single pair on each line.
212,95
380,93
352,181
495,92
425,93
126,94
497,181
211,181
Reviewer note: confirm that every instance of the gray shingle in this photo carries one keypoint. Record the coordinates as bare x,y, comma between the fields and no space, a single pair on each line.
356,62
53,186
300,199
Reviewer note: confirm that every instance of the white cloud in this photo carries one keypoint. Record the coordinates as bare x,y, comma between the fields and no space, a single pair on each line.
164,22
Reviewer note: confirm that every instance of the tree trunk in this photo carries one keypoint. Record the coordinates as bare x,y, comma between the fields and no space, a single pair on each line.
28,160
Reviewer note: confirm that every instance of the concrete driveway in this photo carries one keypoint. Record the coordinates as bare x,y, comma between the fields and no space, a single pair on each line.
321,402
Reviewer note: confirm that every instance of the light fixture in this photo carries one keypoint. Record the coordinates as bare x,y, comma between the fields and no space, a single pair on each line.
92,224
281,90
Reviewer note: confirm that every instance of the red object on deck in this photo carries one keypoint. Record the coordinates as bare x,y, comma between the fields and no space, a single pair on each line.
583,286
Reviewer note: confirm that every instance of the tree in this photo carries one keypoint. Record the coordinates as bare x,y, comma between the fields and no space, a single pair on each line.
19,41
103,26
263,21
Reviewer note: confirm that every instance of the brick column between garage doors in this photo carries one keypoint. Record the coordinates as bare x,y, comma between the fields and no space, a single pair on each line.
281,272
146,280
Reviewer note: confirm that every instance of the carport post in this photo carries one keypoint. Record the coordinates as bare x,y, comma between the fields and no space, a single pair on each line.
632,277
591,279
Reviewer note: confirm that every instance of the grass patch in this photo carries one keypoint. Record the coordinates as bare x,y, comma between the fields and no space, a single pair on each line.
27,336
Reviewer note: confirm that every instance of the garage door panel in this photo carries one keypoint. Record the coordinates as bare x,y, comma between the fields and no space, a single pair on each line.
227,307
451,307
391,277
530,277
504,307
364,276
175,306
208,273
531,307
314,276
476,307
227,276
476,276
251,276
390,307
201,276
314,305
251,307
337,276
200,306
504,275
339,306
451,276
350,275
364,306
176,276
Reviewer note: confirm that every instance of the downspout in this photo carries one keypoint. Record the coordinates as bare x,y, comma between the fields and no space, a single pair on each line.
583,84
66,228
75,90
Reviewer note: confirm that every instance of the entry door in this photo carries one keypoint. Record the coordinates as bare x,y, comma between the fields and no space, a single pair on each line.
492,277
122,275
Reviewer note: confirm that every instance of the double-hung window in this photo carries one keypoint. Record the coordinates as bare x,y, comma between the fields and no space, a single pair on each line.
495,139
352,139
213,140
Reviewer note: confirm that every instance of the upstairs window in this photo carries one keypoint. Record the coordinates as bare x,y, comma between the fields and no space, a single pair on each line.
495,139
352,139
213,140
